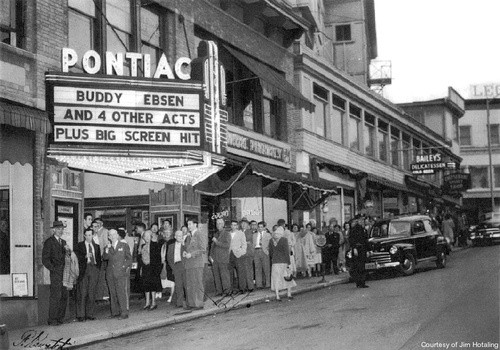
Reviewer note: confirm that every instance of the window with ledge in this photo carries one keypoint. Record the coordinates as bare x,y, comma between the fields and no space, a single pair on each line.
479,177
465,135
270,125
337,119
369,135
150,35
119,28
383,140
81,29
406,151
395,146
320,112
354,123
495,134
343,33
12,17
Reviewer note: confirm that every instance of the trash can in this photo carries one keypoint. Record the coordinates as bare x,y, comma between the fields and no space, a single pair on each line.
4,337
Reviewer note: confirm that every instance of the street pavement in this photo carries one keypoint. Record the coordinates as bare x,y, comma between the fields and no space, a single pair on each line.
73,334
454,307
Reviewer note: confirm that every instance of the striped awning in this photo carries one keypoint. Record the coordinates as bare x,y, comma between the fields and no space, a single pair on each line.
272,81
24,117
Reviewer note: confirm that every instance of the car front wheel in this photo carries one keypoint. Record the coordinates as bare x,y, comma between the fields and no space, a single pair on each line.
407,266
441,259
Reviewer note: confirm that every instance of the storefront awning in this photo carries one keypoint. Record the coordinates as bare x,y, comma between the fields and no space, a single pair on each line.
221,182
24,117
273,82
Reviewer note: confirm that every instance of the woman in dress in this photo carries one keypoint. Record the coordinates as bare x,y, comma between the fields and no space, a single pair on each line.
280,260
317,254
290,236
167,274
151,266
305,250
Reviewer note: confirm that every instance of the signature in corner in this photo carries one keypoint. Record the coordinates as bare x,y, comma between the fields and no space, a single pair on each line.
40,339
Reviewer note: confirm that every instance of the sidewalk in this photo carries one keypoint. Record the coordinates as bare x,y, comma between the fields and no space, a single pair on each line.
73,334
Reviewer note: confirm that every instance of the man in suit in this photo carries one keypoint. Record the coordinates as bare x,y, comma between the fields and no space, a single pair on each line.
101,238
330,252
237,250
119,259
261,240
89,263
248,257
358,241
175,261
196,247
220,258
53,258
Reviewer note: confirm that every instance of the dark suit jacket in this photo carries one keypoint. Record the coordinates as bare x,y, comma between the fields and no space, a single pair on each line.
170,255
53,255
220,249
197,247
119,259
81,252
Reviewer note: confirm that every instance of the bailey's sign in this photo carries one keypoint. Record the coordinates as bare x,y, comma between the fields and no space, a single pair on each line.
91,63
428,164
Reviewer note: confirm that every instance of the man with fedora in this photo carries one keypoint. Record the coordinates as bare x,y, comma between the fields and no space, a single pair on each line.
53,257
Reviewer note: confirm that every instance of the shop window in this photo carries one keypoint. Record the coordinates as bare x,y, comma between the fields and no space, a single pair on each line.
337,119
495,134
320,112
479,177
150,35
395,146
12,14
343,33
4,231
354,123
369,135
465,135
383,140
496,176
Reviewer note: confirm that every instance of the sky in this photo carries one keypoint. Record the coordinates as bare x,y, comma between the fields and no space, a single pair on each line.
433,44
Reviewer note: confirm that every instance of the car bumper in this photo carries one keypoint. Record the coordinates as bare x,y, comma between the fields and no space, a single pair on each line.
494,238
378,266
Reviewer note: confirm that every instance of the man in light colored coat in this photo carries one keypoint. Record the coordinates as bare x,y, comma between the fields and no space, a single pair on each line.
195,254
237,250
261,240
219,255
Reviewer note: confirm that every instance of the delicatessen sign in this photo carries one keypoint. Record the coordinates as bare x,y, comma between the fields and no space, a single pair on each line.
429,163
104,114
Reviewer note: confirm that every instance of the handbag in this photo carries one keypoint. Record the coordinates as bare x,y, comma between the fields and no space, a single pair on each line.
289,275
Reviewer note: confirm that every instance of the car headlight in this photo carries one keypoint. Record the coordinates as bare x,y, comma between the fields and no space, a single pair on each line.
349,254
393,250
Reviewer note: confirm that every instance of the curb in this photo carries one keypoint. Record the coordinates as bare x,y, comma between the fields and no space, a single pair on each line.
103,336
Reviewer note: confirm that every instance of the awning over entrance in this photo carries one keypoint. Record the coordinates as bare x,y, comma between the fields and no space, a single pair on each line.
226,178
183,168
273,81
24,117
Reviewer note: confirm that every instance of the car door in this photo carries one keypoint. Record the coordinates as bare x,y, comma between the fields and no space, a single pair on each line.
420,239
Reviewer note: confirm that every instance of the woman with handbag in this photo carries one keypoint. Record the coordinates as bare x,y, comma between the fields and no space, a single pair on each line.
281,274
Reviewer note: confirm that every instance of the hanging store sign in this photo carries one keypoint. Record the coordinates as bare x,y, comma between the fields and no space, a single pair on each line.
96,113
246,144
456,183
428,164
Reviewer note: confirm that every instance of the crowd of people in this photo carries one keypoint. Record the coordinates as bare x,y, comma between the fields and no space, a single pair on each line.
244,256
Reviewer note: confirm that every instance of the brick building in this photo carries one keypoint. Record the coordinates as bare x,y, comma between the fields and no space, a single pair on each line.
300,130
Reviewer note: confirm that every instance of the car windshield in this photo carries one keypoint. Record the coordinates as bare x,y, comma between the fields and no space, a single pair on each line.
388,229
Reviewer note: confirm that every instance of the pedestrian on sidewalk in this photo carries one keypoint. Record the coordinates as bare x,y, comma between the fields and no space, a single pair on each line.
89,260
281,274
219,255
237,249
248,256
261,240
167,274
119,259
101,237
176,261
54,258
291,244
305,250
150,270
358,241
196,246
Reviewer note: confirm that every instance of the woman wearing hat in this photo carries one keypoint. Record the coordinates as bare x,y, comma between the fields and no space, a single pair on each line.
280,259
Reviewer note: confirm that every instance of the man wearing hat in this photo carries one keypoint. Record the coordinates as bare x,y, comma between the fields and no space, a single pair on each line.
358,241
53,257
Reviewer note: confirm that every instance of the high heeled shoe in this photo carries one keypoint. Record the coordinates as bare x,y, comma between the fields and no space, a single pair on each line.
153,307
146,307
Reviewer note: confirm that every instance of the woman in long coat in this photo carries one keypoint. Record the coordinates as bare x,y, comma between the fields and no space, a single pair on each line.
150,267
305,250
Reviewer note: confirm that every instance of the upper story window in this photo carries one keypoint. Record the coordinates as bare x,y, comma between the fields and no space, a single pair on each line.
496,176
119,27
320,112
271,117
395,146
383,140
337,118
454,129
369,135
479,177
354,123
150,35
12,14
406,152
417,146
465,135
495,134
343,32
82,24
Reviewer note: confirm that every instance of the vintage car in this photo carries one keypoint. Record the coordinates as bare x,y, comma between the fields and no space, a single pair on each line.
487,232
403,243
